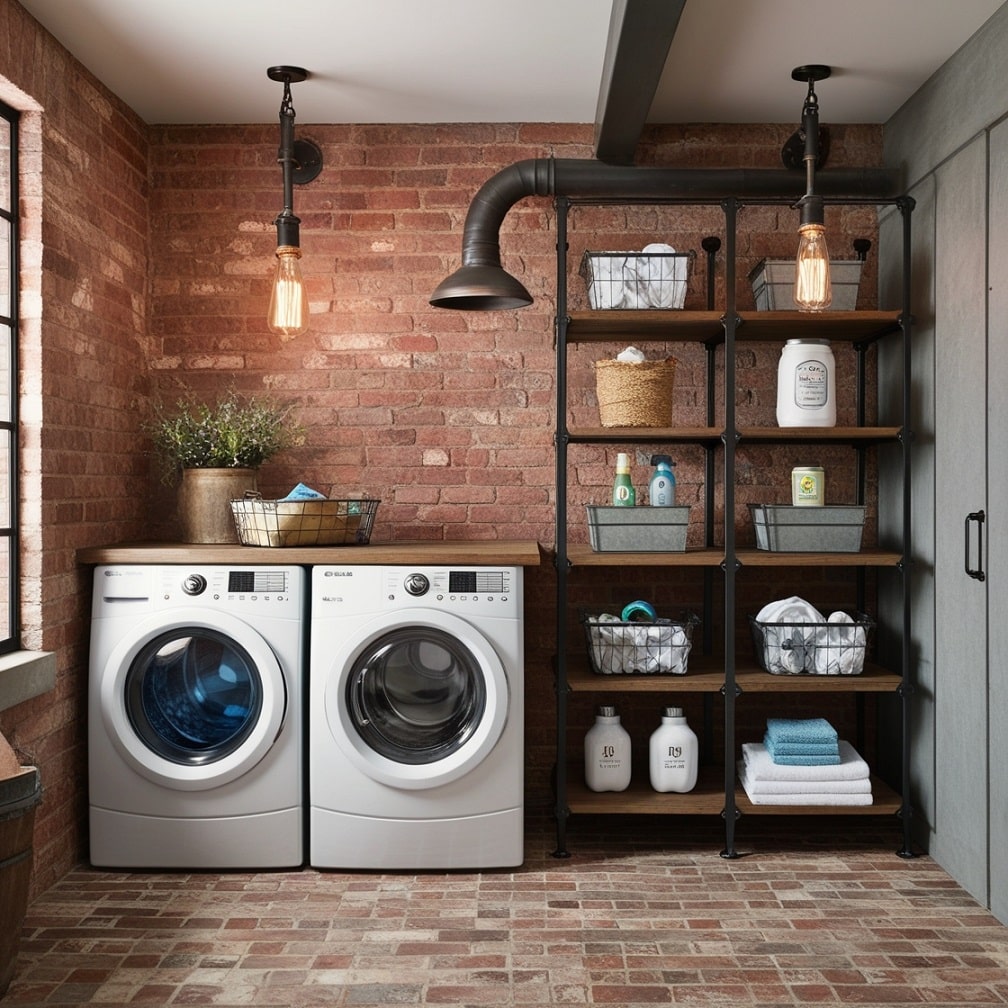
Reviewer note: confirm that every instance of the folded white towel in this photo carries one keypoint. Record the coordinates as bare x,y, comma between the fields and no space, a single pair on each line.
810,797
760,766
861,785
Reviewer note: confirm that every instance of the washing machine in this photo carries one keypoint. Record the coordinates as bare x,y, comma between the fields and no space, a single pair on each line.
195,716
416,717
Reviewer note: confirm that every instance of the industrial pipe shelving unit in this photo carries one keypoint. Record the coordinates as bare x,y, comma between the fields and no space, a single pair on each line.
728,674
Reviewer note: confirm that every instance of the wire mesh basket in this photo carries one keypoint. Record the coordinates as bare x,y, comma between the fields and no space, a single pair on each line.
636,279
303,523
620,647
831,648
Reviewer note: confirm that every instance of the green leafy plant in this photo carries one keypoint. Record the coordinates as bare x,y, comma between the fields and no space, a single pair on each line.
235,432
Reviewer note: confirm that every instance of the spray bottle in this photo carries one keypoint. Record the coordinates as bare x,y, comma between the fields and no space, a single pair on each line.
661,490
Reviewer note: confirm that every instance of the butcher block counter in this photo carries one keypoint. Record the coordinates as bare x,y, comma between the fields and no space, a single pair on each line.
496,553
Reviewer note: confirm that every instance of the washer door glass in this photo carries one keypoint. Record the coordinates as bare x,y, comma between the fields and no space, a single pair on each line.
416,695
194,696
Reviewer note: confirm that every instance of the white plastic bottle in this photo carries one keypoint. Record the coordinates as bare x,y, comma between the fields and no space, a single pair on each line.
607,753
673,753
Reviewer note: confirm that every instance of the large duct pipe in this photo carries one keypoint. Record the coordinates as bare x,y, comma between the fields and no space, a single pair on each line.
481,284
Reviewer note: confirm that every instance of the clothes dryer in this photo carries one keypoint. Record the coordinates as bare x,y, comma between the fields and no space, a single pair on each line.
195,749
416,711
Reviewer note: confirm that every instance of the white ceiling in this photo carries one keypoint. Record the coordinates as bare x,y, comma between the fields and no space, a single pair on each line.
204,61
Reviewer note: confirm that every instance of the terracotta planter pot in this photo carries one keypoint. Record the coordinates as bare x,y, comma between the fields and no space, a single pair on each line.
204,503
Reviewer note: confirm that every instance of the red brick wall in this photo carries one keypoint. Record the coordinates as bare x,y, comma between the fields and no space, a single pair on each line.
446,416
157,256
84,205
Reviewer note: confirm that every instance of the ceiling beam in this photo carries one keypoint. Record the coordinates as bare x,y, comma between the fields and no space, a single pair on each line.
640,34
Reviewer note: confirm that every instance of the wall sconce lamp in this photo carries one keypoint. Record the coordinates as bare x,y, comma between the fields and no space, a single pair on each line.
813,291
301,161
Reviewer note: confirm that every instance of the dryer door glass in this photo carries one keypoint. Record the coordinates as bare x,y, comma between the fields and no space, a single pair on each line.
416,695
193,695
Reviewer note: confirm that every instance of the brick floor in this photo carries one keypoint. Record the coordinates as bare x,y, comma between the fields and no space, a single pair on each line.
635,916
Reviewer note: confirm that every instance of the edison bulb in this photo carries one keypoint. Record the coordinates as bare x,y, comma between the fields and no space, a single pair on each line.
288,308
813,290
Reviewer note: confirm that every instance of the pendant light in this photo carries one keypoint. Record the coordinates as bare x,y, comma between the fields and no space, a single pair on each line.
813,290
301,161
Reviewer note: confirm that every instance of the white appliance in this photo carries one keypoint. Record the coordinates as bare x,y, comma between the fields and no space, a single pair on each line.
195,716
416,717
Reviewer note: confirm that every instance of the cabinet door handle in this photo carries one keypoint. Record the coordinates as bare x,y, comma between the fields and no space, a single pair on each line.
975,572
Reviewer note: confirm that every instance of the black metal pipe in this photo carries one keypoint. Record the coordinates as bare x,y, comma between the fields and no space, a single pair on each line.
481,284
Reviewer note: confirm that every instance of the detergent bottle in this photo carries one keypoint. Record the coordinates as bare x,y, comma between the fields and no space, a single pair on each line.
673,753
607,753
623,493
661,489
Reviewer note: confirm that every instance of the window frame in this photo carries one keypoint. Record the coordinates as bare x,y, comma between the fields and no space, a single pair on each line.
11,531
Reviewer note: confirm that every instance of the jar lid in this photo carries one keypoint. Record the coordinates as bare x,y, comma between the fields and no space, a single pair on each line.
808,341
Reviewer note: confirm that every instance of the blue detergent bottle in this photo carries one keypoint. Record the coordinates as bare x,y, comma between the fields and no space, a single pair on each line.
661,489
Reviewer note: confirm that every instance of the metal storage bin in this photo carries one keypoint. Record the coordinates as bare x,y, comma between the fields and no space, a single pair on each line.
638,529
617,647
636,279
784,528
773,284
811,648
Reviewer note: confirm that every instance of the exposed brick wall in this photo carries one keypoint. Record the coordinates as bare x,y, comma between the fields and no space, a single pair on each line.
157,258
448,416
84,206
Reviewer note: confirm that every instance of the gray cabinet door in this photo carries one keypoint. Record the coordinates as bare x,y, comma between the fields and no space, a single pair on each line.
961,739
997,482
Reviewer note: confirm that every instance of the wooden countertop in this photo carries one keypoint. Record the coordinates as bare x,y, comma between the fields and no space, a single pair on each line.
494,553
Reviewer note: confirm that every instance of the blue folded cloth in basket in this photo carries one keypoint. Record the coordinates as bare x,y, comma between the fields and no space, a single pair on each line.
796,730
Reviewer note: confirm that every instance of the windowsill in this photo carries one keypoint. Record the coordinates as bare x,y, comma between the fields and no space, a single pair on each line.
25,674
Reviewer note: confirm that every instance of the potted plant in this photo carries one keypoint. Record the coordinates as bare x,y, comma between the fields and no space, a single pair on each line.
217,448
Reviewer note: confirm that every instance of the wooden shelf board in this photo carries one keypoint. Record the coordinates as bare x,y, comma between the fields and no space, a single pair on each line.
707,326
493,552
582,555
715,435
585,435
863,558
707,798
873,679
706,675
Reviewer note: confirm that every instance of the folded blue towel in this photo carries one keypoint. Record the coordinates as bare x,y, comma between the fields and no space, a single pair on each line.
801,748
801,730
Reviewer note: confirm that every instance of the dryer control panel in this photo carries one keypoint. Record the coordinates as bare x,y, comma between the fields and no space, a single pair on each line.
495,591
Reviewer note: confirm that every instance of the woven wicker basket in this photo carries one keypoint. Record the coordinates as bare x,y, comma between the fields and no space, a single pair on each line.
635,395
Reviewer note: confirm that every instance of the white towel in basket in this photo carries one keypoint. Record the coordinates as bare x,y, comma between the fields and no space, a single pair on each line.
662,279
618,647
839,646
609,287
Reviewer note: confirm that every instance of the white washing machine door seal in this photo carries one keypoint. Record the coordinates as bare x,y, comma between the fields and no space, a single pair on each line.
221,764
425,682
